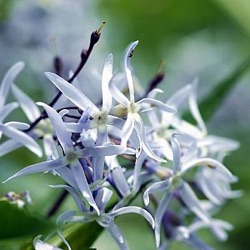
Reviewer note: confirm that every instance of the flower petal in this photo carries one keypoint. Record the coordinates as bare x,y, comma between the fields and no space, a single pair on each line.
155,103
39,168
72,93
74,194
120,181
155,187
117,235
176,153
190,199
209,162
127,130
118,95
27,104
128,72
6,109
8,146
98,165
105,150
17,125
180,96
162,207
23,138
63,218
9,77
194,107
49,146
140,130
106,78
135,210
83,184
58,125
103,197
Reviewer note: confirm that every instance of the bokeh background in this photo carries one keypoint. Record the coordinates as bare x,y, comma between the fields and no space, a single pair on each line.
197,38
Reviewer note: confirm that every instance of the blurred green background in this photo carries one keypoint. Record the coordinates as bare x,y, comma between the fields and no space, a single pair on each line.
197,38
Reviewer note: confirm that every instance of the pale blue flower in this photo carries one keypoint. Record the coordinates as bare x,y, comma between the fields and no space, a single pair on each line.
131,109
105,219
70,158
13,129
174,181
101,119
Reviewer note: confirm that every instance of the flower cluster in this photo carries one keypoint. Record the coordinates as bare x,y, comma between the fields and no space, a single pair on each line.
125,146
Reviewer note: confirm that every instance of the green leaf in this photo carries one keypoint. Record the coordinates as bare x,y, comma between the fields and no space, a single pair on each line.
17,222
209,105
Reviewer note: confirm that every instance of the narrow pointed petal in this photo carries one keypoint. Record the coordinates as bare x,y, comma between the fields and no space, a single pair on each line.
106,78
39,168
8,146
137,171
49,146
117,235
128,72
155,187
176,153
17,125
194,107
98,165
188,128
23,138
74,127
67,175
120,181
220,143
27,104
6,109
135,210
209,162
127,130
180,96
104,150
196,243
83,184
162,207
189,198
58,125
72,93
9,77
103,197
63,218
74,194
154,120
118,95
102,135
140,130
155,103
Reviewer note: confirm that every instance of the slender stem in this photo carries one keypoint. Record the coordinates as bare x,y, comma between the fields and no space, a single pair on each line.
57,204
94,38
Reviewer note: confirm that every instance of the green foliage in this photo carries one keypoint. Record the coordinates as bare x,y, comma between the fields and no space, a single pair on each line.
5,8
18,224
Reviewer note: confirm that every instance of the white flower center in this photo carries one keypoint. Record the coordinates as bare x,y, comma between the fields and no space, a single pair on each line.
44,128
71,156
101,118
133,108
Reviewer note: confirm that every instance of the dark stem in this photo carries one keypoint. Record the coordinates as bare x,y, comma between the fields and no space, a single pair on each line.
94,38
158,78
57,204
